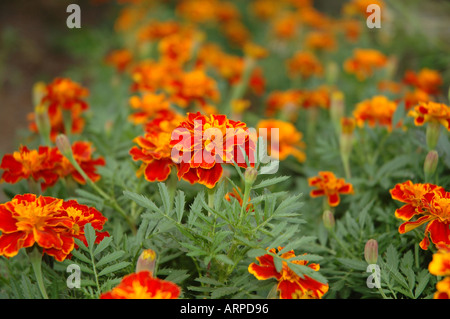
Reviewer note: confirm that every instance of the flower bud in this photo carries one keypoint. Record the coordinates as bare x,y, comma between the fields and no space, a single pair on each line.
371,251
64,146
39,91
337,108
250,175
328,219
146,261
430,164
42,121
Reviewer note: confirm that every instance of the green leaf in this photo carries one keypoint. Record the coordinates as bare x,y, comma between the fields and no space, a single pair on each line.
223,291
257,252
110,258
165,197
89,233
113,268
80,256
143,201
102,245
270,182
179,205
353,264
423,279
225,259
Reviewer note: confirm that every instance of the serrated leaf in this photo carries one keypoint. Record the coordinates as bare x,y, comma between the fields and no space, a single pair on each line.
89,233
297,243
110,258
270,181
223,291
424,278
353,264
113,268
180,201
392,257
141,200
78,255
257,252
102,245
165,197
225,259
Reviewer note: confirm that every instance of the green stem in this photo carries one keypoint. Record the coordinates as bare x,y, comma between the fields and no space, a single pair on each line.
67,118
35,255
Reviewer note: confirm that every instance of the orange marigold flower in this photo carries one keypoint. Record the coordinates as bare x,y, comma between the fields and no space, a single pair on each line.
431,112
415,97
284,101
265,9
31,164
197,11
288,142
157,30
359,7
290,285
177,47
148,105
142,285
82,153
431,204
201,144
378,110
320,41
236,32
319,97
329,185
285,27
65,93
412,195
154,147
27,220
152,76
193,87
440,266
426,79
305,64
120,59
364,62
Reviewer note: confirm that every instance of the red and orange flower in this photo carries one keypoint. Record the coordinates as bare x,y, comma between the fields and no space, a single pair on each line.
154,147
365,62
430,204
48,222
38,165
329,185
201,144
431,112
427,80
440,266
304,64
142,285
378,110
290,285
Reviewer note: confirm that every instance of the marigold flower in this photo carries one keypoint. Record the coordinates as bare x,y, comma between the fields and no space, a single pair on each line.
431,112
197,11
177,48
265,9
329,185
142,285
440,266
157,30
65,93
27,220
35,164
320,41
285,27
152,76
305,64
120,59
426,79
289,141
284,101
359,7
148,105
378,110
431,204
201,144
415,97
365,62
290,285
154,147
193,87
318,97
236,32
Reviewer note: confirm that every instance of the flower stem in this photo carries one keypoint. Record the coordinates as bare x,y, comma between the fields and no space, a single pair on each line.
35,256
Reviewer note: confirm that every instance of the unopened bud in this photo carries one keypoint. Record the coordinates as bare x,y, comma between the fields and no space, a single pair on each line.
332,73
430,164
328,219
371,251
432,133
64,146
146,261
250,175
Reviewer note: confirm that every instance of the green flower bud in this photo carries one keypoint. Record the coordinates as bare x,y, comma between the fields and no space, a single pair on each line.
430,164
64,146
432,134
146,261
250,175
328,219
371,251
